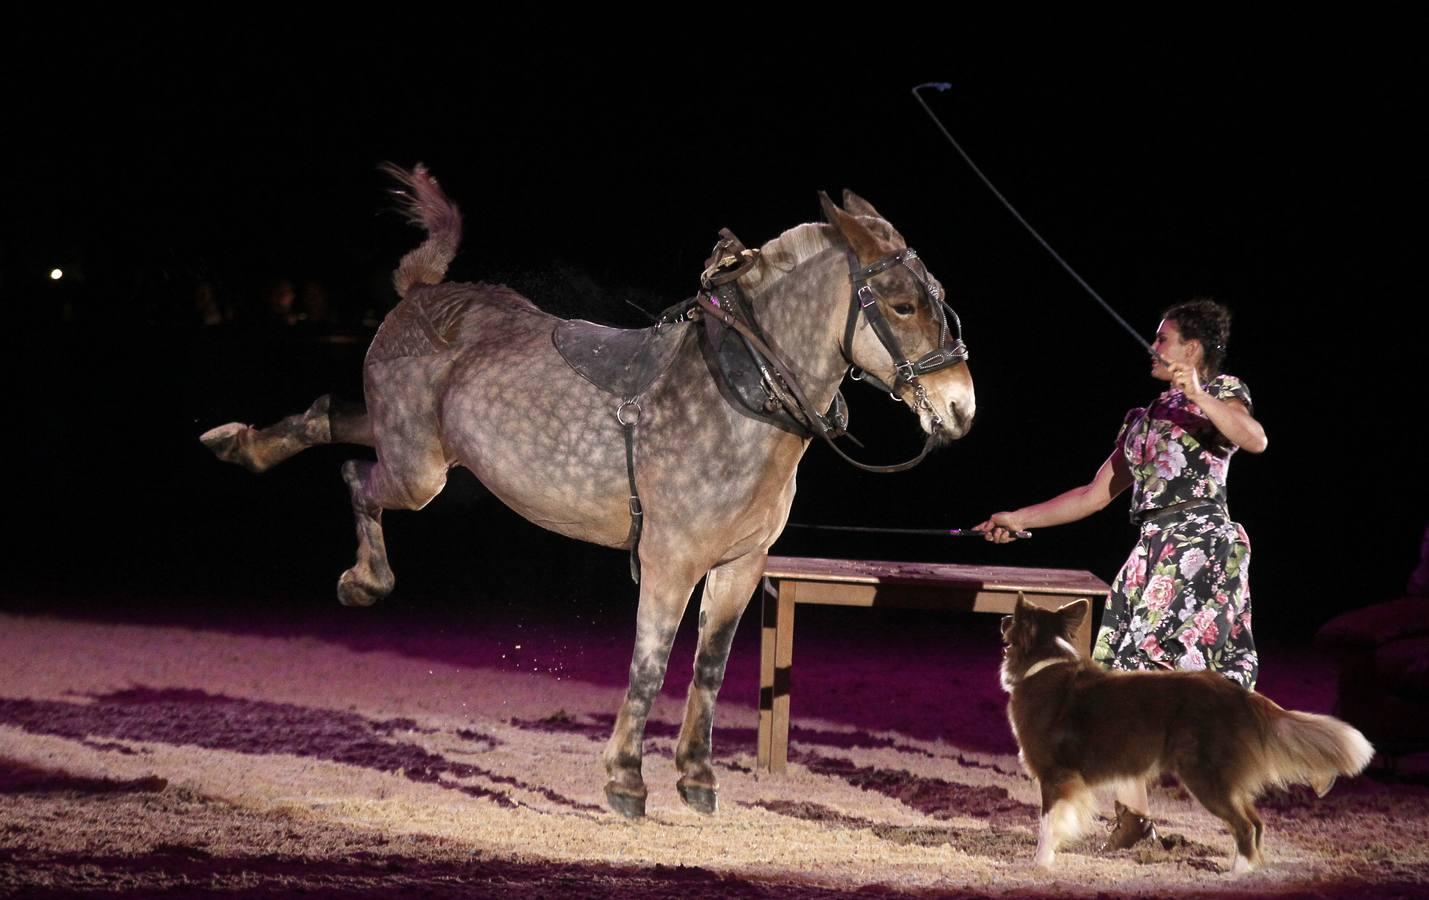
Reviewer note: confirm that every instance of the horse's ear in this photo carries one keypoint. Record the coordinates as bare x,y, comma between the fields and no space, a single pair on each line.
858,206
865,244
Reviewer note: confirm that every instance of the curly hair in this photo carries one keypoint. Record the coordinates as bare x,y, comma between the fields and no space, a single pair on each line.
1207,321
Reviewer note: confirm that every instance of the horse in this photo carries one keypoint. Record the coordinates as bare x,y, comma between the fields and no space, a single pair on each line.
467,374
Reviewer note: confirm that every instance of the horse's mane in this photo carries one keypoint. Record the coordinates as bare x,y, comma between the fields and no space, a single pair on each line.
799,244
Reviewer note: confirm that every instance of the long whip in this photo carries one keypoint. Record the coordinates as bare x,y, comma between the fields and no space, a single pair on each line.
943,86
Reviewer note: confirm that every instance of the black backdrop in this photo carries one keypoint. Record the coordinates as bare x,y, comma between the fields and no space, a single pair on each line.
159,166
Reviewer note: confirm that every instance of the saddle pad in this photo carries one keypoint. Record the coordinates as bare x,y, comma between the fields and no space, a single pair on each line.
622,361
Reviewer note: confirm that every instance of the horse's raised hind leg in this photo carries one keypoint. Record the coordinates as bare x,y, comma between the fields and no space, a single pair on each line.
259,449
664,592
727,592
374,489
370,578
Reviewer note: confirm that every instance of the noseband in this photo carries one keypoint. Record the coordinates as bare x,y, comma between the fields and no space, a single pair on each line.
950,350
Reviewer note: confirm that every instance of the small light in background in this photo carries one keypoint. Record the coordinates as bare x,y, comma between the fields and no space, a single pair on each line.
56,274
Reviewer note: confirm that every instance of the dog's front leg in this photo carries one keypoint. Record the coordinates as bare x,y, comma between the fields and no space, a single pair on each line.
1063,809
1047,838
1046,844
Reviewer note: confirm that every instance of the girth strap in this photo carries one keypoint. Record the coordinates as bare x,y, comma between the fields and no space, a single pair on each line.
628,415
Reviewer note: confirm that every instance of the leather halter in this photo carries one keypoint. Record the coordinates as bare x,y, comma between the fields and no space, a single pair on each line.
950,350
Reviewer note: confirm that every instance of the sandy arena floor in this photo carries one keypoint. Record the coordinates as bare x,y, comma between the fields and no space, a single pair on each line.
187,760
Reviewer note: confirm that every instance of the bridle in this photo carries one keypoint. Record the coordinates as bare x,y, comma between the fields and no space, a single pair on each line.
720,298
950,350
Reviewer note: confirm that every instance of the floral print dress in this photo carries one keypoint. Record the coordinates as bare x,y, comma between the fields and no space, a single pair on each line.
1182,599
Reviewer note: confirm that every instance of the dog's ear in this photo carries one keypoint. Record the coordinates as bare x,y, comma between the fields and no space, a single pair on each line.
1020,629
1073,615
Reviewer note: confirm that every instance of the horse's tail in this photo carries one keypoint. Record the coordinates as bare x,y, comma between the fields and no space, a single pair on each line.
424,204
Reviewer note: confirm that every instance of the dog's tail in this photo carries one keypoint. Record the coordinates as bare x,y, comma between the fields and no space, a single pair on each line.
424,204
1308,748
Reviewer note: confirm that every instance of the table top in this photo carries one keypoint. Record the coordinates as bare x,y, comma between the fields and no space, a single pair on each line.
992,578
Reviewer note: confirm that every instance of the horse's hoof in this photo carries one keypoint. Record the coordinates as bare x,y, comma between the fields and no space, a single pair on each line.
699,797
631,806
352,592
225,442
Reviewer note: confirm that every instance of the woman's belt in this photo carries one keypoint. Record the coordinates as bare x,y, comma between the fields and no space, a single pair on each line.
1176,511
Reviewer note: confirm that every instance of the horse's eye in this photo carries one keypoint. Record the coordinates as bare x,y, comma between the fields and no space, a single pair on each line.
904,309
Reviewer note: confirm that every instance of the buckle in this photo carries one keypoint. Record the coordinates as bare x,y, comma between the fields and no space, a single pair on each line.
632,403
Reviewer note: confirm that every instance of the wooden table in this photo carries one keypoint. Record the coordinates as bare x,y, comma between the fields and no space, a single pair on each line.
856,582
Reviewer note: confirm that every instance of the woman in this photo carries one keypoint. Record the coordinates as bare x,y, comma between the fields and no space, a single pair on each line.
1182,599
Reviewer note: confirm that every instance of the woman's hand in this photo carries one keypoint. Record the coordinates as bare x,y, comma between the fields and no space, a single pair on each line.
1187,380
1002,528
1230,417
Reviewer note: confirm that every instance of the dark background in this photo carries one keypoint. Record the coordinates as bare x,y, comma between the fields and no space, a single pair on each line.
156,168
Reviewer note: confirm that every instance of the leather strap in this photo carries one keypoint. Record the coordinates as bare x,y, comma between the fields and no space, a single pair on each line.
628,421
791,384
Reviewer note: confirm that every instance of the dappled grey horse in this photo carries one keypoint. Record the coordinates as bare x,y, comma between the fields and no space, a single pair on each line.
467,374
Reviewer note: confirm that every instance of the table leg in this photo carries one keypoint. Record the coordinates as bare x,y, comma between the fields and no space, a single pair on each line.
776,656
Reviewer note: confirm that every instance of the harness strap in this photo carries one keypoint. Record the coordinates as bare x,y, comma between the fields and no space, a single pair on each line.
790,383
731,299
729,260
628,421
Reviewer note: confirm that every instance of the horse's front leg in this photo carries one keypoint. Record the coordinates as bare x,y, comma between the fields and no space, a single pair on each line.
727,592
664,592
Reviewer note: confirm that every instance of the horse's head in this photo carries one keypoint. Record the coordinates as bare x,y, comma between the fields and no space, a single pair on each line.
900,329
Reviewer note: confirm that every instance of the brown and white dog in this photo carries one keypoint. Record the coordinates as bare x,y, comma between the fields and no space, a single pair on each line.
1079,726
